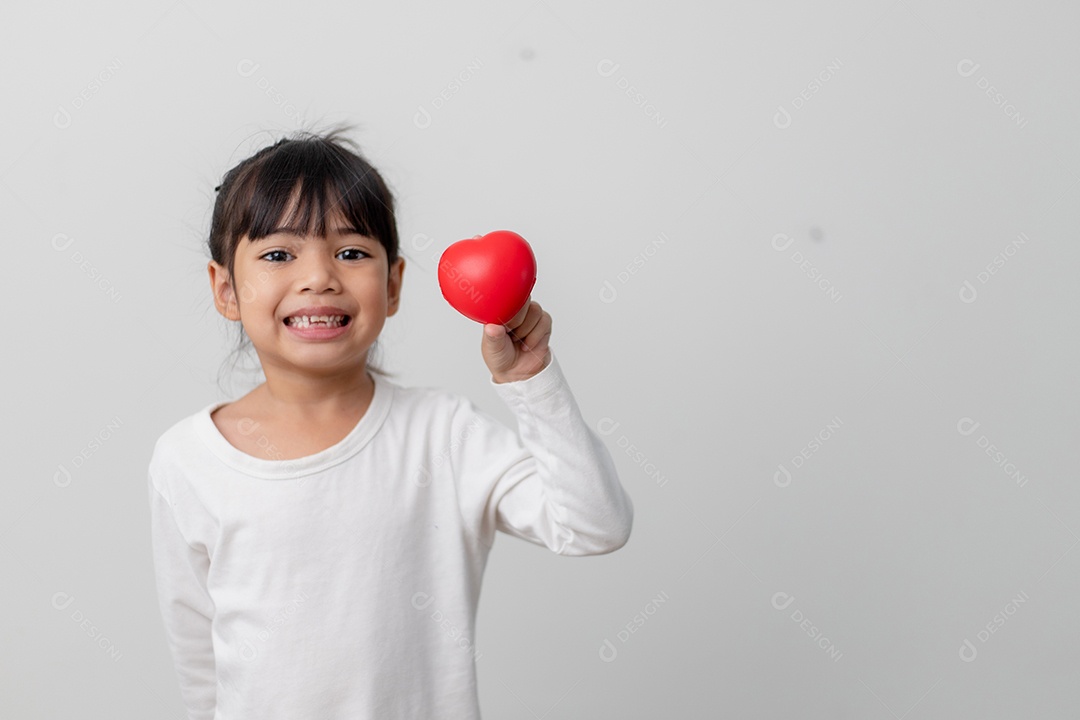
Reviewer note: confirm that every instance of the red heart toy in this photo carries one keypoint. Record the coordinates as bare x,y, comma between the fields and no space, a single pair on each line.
488,278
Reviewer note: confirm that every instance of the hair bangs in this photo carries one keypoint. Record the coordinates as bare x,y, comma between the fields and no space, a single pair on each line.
302,190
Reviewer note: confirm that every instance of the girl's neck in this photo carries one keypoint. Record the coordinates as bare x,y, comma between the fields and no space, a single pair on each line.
324,396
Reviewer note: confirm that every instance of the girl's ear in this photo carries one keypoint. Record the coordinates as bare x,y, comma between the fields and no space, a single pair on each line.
221,287
393,286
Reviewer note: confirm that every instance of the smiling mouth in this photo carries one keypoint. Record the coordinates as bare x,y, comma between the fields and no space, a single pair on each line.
316,321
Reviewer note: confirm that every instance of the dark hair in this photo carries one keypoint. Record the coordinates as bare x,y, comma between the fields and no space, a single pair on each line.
332,174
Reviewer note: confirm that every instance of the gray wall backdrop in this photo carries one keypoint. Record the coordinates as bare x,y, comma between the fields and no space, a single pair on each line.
812,273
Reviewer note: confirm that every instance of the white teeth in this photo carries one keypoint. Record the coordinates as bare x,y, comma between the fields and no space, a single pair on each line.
308,321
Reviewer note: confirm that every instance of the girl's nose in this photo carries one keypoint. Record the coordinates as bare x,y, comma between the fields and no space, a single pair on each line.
318,271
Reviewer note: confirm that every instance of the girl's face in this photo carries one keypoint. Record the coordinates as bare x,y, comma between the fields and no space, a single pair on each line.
284,273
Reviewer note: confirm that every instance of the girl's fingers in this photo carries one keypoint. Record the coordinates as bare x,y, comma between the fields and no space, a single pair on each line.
513,323
529,323
539,333
537,344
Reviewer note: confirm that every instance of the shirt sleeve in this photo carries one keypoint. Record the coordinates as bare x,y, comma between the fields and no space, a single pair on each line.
552,483
186,607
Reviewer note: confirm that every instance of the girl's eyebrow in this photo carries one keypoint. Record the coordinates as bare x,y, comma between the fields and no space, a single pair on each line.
296,231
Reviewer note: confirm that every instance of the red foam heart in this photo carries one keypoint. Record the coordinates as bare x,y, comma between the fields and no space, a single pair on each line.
488,278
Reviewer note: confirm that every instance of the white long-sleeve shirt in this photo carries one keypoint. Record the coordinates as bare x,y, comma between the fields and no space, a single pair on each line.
344,584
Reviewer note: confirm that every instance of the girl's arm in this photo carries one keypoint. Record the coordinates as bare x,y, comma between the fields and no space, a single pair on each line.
186,607
553,483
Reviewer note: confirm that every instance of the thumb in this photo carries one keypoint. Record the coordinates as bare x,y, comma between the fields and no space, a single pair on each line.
498,348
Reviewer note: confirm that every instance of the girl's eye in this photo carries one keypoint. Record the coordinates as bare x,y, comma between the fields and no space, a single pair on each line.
271,256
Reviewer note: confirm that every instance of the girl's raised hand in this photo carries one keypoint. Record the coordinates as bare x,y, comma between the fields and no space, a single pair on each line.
519,349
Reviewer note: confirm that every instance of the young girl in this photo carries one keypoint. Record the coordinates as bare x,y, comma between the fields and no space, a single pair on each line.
319,543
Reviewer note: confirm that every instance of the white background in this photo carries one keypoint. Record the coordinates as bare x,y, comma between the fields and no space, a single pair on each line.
811,267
